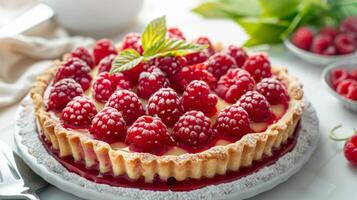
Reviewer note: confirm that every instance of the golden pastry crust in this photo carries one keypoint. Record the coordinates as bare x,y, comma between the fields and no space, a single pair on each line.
208,163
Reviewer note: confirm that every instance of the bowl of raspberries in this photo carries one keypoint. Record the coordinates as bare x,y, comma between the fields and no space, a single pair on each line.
341,80
327,44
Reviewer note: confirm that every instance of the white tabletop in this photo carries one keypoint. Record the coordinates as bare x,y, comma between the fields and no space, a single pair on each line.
326,176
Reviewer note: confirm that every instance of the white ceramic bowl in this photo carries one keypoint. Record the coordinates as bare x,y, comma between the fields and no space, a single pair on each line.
346,64
316,59
96,18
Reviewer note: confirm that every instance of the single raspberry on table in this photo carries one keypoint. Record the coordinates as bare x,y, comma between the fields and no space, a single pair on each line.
239,54
166,104
350,147
193,130
128,103
197,96
233,121
151,81
83,54
63,92
78,113
258,66
195,72
109,125
323,44
105,65
219,64
175,33
303,37
102,49
344,44
170,65
330,31
256,105
148,134
234,84
273,90
132,41
103,87
76,69
338,75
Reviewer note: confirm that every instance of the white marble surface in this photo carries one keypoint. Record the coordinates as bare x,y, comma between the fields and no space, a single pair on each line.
326,176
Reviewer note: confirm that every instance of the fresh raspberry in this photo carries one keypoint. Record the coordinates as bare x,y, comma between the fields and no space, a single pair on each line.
170,65
103,87
273,90
134,73
303,37
63,92
120,81
109,125
203,40
353,74
148,134
323,44
197,97
256,105
338,75
258,66
105,65
128,104
344,44
350,150
78,113
233,121
84,55
193,130
175,33
234,84
151,81
166,104
197,57
76,69
102,49
195,72
239,54
352,92
219,64
343,86
132,41
330,31
349,25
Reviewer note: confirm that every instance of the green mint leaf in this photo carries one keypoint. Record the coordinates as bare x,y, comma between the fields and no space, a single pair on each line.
212,10
154,33
278,8
126,60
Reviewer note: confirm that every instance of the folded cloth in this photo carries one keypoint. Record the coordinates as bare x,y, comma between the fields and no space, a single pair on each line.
22,58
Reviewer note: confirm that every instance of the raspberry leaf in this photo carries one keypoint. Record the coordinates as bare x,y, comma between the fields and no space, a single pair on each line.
126,60
154,33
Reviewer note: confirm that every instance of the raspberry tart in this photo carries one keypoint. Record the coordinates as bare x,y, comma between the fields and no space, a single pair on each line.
153,111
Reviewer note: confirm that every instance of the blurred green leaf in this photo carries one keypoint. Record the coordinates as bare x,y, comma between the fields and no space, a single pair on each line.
279,8
212,10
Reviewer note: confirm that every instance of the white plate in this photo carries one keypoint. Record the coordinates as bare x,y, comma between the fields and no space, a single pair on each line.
36,156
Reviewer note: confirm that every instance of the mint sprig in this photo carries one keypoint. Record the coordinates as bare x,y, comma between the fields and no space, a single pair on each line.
155,44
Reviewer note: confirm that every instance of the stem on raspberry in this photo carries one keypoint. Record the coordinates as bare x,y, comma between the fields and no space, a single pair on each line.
333,136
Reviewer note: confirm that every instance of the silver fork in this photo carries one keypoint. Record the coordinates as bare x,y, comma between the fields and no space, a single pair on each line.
11,182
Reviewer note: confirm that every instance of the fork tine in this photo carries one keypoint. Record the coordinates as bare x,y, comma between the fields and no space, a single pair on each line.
5,169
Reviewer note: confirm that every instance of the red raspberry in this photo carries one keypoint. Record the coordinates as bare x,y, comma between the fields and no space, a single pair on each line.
63,92
350,150
134,73
148,134
170,65
84,55
76,69
256,105
197,97
258,66
233,121
273,90
234,84
197,57
102,49
353,74
330,31
219,64
132,41
109,125
344,44
128,104
175,33
203,40
193,130
105,65
349,25
323,44
352,92
166,104
239,54
151,81
103,87
78,113
195,72
303,37
338,75
119,81
343,86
